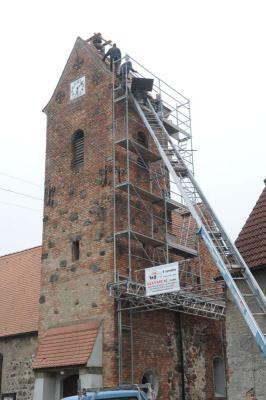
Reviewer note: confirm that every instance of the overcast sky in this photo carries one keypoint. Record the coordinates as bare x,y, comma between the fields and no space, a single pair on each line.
211,51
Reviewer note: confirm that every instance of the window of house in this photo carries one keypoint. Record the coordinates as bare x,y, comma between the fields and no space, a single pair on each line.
1,367
78,149
219,377
151,377
75,250
142,139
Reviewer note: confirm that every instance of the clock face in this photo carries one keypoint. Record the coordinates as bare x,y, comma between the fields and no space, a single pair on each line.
77,88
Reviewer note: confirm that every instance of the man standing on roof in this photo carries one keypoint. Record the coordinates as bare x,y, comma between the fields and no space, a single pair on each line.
97,41
115,57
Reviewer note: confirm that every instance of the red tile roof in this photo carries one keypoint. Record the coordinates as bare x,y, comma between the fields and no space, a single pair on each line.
251,241
66,345
19,291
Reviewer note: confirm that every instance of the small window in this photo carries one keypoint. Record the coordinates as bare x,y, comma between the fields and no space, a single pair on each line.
75,250
150,377
219,377
142,139
78,149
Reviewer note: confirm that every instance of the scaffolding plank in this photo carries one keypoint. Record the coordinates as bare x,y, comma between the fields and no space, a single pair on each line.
153,198
170,127
142,238
138,149
184,251
174,130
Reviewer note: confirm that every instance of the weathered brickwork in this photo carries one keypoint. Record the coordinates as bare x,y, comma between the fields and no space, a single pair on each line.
81,205
17,374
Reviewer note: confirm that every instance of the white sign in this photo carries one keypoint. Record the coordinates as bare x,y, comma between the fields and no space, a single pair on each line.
162,279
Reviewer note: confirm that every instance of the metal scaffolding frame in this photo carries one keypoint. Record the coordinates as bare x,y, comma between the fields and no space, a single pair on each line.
152,224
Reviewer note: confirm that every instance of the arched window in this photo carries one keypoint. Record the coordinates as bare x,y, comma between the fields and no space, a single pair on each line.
219,377
151,377
142,139
77,149
1,367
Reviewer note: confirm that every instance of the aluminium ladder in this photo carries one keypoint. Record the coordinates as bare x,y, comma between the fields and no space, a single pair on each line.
223,251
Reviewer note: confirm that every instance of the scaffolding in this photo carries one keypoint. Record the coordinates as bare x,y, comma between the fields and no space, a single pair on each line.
152,224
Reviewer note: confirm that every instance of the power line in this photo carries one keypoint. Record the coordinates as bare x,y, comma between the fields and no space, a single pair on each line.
20,179
20,194
18,205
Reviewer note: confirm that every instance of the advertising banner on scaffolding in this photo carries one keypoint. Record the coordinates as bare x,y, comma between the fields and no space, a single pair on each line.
162,279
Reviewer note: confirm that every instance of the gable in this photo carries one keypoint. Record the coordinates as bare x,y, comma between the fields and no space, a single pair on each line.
84,60
251,241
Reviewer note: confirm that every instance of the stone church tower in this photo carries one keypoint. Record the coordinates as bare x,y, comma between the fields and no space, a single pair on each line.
78,336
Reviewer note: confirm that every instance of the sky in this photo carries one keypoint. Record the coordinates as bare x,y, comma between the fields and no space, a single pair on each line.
212,51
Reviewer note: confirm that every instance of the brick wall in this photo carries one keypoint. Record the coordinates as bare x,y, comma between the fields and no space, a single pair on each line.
80,206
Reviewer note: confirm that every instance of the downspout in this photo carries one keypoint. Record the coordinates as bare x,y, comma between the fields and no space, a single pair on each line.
181,352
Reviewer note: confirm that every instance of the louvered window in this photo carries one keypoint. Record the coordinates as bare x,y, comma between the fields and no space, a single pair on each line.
77,149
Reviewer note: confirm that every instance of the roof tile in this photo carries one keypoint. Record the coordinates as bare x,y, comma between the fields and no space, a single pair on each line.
19,291
251,241
66,345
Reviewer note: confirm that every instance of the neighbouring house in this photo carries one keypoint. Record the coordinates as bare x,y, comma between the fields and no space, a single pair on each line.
246,363
20,275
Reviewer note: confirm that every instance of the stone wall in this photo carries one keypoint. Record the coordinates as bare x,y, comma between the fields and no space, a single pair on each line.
246,364
17,375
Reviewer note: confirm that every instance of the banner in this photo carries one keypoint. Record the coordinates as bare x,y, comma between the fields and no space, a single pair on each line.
162,279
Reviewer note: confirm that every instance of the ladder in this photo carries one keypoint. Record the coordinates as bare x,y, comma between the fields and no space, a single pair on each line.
223,251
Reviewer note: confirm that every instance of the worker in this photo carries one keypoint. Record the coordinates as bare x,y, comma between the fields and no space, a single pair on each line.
97,41
124,71
157,103
115,57
126,67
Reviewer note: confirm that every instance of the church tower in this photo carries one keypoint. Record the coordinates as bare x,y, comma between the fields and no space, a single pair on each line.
109,214
77,229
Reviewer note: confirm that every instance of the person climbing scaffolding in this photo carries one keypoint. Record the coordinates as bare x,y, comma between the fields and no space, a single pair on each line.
115,58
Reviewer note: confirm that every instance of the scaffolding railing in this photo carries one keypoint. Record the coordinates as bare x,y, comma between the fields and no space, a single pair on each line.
152,225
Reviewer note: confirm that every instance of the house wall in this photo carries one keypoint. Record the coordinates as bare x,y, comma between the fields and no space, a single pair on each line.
17,374
246,364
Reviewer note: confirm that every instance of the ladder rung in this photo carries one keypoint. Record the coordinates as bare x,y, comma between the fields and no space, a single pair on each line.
120,98
258,313
249,295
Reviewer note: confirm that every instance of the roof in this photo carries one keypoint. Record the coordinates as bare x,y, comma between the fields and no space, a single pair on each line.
19,291
251,241
66,345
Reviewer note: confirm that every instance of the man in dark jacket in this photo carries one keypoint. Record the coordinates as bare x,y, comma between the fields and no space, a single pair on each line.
115,57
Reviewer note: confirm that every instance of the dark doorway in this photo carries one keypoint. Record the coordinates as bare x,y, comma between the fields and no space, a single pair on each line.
70,385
